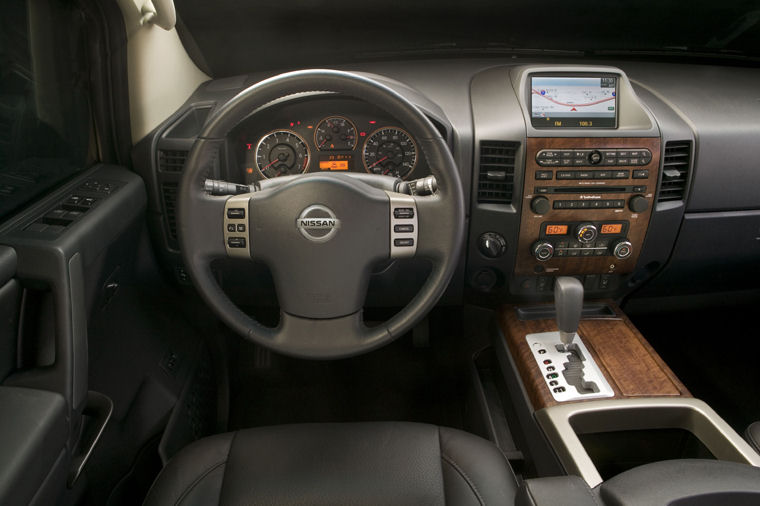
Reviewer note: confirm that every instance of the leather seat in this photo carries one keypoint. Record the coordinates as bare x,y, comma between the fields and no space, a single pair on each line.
337,464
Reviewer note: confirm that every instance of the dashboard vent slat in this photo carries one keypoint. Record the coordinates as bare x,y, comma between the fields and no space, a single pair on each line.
169,193
171,160
675,174
496,172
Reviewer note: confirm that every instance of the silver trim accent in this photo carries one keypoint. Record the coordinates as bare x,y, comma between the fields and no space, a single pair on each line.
609,415
238,201
400,200
333,226
548,341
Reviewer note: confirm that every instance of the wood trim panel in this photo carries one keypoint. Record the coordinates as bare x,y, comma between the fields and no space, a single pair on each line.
530,223
629,363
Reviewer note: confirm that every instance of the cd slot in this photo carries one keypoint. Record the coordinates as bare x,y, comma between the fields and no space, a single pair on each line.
589,189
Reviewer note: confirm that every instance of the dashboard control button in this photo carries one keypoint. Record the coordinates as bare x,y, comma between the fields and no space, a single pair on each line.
541,189
403,213
403,242
602,174
241,227
595,157
619,204
566,174
492,245
586,233
585,174
543,251
638,204
230,227
623,153
566,162
640,189
236,213
403,229
621,174
640,174
544,174
622,249
566,153
540,205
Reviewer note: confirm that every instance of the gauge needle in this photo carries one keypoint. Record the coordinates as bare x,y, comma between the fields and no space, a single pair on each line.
271,163
380,160
322,143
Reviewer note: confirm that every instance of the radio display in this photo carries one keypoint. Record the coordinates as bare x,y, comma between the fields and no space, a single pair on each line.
612,228
556,229
335,162
573,102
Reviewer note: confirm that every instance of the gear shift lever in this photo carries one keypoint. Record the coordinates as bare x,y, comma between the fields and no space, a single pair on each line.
568,300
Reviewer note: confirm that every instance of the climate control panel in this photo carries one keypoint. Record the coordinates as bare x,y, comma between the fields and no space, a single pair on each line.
587,203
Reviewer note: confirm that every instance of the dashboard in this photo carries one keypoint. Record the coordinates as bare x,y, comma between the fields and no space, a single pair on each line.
323,134
641,189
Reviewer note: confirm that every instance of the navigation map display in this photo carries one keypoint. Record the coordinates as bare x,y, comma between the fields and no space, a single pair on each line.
573,102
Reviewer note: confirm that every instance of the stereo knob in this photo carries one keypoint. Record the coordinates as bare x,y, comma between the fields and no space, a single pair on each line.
638,204
622,249
492,245
540,205
595,157
586,232
543,251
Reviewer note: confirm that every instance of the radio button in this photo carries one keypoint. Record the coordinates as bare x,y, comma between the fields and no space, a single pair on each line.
553,162
623,161
609,153
560,204
579,162
640,174
566,174
544,174
567,153
640,189
566,162
602,174
597,204
541,189
635,161
646,156
621,174
582,154
619,204
585,174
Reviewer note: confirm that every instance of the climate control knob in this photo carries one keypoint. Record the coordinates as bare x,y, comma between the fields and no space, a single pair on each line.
622,249
638,204
586,232
492,245
540,205
543,250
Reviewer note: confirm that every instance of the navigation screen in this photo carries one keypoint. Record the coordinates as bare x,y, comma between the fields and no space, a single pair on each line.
573,102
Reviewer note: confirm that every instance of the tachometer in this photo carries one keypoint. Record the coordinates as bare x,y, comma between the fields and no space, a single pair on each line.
390,151
281,153
335,133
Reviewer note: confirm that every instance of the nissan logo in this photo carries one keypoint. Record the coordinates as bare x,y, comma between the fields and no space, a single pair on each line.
318,223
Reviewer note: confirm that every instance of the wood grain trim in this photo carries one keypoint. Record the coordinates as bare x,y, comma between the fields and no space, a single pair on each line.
530,223
629,363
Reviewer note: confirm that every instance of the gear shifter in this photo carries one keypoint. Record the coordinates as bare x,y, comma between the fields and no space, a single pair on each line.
568,301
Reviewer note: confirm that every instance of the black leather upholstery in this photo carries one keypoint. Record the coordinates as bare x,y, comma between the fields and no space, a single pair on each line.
337,464
752,435
556,490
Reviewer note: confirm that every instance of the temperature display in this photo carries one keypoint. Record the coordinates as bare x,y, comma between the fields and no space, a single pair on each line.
556,229
612,228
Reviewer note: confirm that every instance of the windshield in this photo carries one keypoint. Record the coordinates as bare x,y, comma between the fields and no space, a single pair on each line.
234,37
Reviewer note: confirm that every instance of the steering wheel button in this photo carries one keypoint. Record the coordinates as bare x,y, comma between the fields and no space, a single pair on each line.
405,242
403,229
236,213
236,242
241,227
230,227
403,213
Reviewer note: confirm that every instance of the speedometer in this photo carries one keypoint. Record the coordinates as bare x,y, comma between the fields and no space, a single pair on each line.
390,151
280,153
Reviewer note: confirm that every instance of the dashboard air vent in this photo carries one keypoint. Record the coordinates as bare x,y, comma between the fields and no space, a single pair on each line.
497,171
171,160
169,192
675,171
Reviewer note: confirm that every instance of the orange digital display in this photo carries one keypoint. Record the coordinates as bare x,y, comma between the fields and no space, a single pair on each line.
612,228
333,164
556,229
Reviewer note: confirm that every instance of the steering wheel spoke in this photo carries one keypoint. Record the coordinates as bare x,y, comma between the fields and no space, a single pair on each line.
237,226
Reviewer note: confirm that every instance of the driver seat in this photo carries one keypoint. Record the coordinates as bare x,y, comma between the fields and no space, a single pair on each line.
388,463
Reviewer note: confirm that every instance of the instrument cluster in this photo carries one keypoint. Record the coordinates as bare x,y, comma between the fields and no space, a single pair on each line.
325,135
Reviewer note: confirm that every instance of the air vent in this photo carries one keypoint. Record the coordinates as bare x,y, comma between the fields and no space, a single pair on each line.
171,160
169,192
675,171
496,175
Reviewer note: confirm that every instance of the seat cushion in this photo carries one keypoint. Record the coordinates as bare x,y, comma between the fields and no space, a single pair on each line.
337,464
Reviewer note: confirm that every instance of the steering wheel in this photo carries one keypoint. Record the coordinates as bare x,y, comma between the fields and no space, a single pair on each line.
320,234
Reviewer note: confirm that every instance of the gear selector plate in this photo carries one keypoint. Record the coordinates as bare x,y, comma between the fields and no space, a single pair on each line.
570,373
